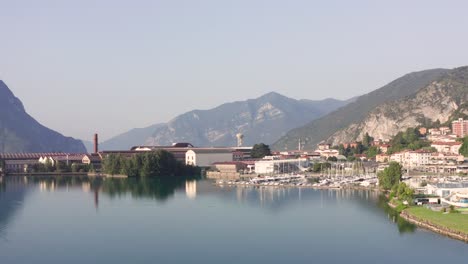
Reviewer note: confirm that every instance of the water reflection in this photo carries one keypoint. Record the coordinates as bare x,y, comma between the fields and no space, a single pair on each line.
12,196
161,189
403,225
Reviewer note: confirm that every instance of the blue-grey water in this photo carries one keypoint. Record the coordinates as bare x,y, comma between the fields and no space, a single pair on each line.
76,220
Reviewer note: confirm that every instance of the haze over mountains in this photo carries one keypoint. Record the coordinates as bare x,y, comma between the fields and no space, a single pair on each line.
19,132
263,119
414,99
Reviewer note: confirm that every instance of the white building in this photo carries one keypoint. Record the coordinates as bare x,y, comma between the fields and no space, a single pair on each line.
447,147
417,158
281,165
412,158
205,157
446,189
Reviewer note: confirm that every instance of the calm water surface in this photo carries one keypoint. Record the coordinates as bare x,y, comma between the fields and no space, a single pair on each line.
177,221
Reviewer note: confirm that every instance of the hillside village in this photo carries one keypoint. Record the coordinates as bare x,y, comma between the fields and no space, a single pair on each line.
439,152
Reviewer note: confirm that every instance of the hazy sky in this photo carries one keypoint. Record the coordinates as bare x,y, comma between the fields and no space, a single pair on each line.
107,66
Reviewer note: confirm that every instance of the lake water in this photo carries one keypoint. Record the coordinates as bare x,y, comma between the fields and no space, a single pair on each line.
177,221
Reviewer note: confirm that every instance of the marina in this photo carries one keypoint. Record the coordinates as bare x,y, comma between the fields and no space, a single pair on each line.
298,180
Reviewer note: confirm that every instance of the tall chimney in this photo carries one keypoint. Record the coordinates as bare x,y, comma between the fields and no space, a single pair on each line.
96,143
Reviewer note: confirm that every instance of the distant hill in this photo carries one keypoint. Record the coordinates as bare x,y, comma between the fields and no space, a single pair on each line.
323,128
125,141
442,101
264,119
19,132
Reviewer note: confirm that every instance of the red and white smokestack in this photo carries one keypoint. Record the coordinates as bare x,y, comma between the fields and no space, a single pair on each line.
96,143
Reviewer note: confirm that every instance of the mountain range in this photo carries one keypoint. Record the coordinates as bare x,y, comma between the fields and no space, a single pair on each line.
19,132
264,119
418,98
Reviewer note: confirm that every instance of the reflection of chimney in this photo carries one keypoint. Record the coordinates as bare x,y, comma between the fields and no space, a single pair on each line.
96,146
96,198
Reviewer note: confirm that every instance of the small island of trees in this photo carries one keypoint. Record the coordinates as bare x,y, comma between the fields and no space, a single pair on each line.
149,164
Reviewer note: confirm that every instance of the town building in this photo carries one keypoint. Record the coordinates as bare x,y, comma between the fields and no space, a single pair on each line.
412,158
398,157
22,162
384,147
417,158
382,158
460,127
446,158
324,146
447,147
278,166
422,131
205,157
445,130
446,189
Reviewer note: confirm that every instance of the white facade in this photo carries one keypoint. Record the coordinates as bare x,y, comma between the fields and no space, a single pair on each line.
447,147
412,158
281,166
206,157
417,158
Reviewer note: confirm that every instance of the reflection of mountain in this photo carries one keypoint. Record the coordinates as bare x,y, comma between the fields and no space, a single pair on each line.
12,195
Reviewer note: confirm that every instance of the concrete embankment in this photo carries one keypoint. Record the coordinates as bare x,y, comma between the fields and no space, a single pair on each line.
434,227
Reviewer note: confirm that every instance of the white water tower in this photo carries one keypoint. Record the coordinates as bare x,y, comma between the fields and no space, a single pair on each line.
240,139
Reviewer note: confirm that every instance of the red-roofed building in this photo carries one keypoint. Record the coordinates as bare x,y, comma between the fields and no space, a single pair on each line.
447,147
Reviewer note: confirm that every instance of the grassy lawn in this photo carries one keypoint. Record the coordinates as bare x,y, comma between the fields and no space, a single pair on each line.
458,222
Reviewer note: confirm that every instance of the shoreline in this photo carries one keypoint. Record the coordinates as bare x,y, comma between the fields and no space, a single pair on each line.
65,174
303,186
426,224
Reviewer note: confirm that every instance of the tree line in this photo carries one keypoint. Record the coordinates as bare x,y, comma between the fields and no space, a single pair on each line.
149,164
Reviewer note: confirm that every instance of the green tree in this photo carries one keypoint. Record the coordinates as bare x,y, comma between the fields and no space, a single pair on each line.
464,147
61,166
404,192
390,176
367,140
260,150
372,151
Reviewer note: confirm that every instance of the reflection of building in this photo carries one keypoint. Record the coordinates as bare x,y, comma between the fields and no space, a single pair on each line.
191,189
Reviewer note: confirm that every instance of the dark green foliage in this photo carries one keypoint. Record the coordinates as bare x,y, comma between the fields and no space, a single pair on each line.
78,167
464,147
371,152
319,167
390,176
332,158
61,166
367,140
404,192
260,150
410,139
149,164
